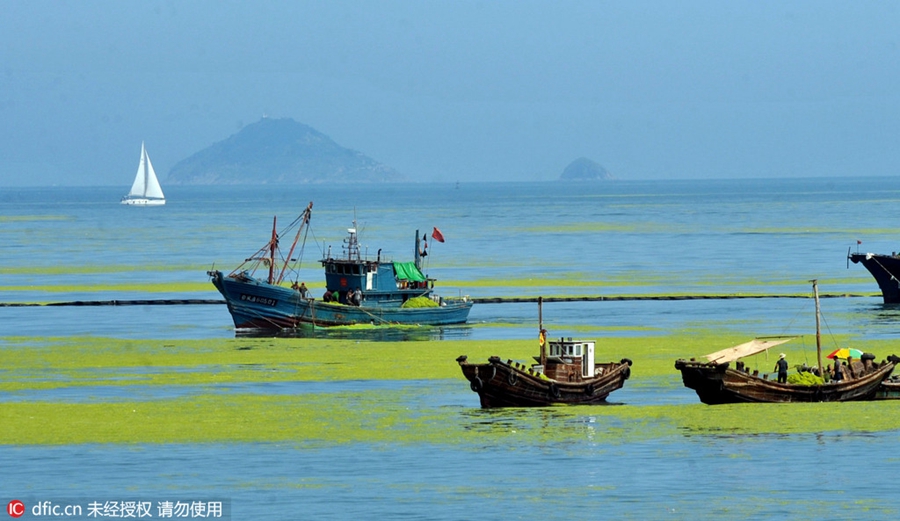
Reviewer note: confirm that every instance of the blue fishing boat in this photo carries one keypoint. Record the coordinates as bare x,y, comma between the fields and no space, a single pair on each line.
358,289
885,269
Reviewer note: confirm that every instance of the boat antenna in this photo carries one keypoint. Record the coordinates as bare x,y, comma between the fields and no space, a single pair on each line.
540,314
418,254
818,327
542,334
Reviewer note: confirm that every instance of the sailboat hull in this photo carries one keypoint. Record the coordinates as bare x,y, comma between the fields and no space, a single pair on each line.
143,202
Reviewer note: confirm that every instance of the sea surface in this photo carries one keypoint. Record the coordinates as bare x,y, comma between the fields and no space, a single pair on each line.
765,239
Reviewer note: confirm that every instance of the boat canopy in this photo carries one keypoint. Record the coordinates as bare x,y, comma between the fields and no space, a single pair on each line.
757,345
408,271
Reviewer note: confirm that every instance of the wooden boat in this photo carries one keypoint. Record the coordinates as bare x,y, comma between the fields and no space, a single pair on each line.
359,290
565,374
717,382
889,389
886,271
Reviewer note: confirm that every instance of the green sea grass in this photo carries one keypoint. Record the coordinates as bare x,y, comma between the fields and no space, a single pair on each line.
219,409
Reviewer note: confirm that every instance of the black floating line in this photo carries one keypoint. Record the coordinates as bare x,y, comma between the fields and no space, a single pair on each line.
477,300
511,300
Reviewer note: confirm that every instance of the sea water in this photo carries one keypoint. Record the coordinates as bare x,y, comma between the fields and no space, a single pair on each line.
765,238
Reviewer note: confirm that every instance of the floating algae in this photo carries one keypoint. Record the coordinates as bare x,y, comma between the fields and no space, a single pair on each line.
377,392
117,287
103,269
419,302
805,378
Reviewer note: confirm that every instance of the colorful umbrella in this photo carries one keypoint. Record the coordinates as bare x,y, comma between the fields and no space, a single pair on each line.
846,352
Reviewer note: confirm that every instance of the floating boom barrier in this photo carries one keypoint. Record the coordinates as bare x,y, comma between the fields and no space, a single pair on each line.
477,300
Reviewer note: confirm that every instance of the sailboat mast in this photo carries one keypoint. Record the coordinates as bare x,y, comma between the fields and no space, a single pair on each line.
144,159
818,328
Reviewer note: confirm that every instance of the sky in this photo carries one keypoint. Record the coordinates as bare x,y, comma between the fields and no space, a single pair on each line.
457,91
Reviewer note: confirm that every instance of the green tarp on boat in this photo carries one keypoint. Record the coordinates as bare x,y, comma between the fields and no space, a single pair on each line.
408,271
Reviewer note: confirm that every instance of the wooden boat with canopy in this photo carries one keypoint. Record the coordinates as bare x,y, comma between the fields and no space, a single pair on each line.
716,381
565,374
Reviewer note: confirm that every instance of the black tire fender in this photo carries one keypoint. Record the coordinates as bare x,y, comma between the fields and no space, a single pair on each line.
627,371
589,390
512,378
554,390
476,384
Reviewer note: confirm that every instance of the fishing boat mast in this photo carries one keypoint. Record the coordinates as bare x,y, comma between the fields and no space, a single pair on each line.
542,335
304,226
273,245
268,255
818,328
351,243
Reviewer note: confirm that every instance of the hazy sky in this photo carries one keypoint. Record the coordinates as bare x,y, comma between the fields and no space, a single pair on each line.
457,90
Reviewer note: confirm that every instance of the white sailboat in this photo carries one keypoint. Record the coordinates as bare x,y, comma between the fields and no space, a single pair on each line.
146,190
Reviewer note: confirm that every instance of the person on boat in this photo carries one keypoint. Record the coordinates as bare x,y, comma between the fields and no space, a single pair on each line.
327,297
782,367
354,298
838,371
301,288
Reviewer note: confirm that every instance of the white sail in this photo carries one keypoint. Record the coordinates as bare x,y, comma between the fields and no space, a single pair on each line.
140,180
151,186
145,189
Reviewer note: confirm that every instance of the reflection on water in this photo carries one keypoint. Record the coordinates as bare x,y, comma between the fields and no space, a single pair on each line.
367,333
871,319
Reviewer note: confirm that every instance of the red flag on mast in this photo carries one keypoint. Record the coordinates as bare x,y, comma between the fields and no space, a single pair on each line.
437,235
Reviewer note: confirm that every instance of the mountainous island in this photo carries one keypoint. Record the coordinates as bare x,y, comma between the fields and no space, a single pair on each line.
279,151
584,169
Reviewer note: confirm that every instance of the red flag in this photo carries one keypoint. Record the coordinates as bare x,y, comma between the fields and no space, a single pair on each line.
437,235
858,241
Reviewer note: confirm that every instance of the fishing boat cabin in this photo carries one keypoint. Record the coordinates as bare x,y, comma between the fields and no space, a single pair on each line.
568,360
380,282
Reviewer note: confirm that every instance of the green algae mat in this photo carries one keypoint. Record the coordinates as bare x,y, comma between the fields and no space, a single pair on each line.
324,391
